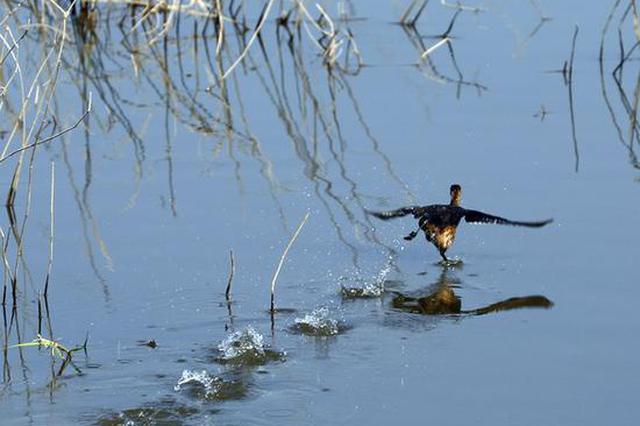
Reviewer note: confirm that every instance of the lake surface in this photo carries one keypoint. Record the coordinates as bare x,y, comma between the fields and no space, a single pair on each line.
170,171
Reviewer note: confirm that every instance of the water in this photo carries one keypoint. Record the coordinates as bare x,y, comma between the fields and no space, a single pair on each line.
154,189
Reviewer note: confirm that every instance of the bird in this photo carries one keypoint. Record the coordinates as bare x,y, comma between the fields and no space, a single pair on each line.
440,221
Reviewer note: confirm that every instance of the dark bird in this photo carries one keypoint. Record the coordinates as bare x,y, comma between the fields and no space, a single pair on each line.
440,221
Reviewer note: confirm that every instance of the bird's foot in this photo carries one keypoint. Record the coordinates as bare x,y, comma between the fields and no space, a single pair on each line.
411,235
451,263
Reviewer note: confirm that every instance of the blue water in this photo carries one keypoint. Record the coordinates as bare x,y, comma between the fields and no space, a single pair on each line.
142,234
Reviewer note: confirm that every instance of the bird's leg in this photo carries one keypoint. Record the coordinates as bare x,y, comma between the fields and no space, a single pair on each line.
448,263
412,235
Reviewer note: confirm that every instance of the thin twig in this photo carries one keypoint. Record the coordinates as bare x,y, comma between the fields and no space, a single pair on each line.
571,109
404,19
434,47
51,228
461,6
232,270
50,138
284,255
39,314
419,12
13,46
220,30
254,36
451,24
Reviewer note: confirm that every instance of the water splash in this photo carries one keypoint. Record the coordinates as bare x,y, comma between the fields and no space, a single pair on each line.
240,343
370,289
318,323
210,384
202,385
246,347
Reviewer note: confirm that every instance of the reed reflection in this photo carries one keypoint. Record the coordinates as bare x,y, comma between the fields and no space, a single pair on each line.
180,58
624,114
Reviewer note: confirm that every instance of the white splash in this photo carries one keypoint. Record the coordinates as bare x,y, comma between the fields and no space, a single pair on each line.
318,322
211,384
370,288
240,343
375,287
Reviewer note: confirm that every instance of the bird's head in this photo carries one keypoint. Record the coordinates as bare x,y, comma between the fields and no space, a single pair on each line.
456,194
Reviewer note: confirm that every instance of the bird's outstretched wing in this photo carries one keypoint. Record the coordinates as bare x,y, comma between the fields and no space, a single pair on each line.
474,216
416,211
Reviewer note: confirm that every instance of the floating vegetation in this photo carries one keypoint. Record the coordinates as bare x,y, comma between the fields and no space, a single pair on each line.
148,343
370,289
57,351
201,385
246,347
318,323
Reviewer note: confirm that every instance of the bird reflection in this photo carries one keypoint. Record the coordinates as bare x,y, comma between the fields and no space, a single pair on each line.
443,300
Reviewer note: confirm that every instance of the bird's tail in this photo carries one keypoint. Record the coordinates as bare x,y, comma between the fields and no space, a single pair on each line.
401,212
